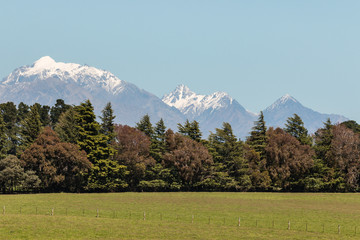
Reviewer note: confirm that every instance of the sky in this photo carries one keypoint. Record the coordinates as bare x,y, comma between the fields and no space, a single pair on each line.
256,51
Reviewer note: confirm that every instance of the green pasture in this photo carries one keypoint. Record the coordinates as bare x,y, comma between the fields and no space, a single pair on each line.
180,216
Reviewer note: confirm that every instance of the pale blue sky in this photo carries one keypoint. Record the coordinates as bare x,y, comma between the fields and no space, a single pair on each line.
256,51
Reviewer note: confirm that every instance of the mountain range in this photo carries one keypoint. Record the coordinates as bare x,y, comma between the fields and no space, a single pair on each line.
47,80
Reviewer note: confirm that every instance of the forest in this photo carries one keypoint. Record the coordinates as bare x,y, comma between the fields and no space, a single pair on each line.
64,148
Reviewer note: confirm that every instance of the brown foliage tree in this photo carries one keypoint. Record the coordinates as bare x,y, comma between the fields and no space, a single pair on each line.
187,158
287,159
344,155
59,165
132,150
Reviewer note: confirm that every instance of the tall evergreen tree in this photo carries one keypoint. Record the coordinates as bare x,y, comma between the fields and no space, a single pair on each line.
295,127
105,172
66,127
257,139
59,108
158,144
9,113
190,129
30,127
3,138
228,157
44,114
145,126
107,118
23,109
323,139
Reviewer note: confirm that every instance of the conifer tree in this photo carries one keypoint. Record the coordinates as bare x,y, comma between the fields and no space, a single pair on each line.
295,127
323,139
23,109
3,138
9,113
145,126
258,139
106,173
55,112
228,157
190,129
158,144
30,127
66,127
107,118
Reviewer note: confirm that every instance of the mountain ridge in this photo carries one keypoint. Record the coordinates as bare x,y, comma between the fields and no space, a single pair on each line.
46,80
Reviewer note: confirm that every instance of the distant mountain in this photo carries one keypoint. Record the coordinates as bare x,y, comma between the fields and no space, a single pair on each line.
211,110
47,80
285,107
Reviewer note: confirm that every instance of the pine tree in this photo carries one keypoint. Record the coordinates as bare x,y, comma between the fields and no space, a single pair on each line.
106,174
9,113
258,139
66,126
107,118
59,108
145,126
228,157
295,127
323,139
23,109
30,127
3,138
191,130
158,144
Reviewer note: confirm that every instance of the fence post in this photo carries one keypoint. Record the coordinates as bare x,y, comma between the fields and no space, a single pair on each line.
338,229
209,220
289,225
4,210
144,217
239,221
192,219
52,212
97,213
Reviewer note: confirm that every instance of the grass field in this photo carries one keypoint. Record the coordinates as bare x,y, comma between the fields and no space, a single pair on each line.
180,216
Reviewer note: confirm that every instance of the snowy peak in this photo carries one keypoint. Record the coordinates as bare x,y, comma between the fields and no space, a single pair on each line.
47,68
44,62
283,101
192,104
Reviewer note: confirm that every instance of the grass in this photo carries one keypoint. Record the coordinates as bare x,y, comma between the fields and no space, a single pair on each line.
180,216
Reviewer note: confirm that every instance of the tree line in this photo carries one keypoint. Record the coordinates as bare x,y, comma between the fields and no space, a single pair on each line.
64,148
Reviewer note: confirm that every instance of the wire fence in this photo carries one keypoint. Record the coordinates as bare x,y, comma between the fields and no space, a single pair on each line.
350,229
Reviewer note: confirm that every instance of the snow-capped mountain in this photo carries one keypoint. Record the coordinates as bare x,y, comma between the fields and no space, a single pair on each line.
47,80
286,106
211,110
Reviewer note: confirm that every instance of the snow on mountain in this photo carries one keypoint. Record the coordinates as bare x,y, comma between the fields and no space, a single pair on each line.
47,80
211,110
192,104
286,106
46,68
